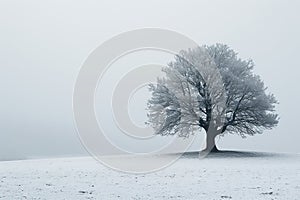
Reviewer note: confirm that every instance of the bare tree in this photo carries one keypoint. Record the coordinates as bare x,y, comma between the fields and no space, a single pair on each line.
210,88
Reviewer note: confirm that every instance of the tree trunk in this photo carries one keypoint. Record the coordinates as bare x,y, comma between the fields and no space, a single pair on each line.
210,142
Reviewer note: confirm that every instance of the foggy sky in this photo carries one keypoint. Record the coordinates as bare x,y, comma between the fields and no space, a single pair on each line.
44,43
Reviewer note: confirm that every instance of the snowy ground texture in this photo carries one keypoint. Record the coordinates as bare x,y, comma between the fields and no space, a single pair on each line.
223,176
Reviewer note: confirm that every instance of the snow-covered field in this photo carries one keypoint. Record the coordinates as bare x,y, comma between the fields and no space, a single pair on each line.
226,176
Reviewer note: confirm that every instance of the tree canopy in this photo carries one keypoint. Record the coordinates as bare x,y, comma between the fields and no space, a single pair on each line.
210,87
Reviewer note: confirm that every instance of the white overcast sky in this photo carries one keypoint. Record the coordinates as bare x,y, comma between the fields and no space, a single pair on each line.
44,43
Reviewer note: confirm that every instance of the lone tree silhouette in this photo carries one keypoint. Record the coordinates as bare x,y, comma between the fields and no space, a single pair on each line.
210,88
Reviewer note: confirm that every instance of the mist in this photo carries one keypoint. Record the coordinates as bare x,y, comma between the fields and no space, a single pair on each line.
44,44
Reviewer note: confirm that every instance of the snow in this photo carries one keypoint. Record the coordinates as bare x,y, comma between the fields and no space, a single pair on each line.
224,176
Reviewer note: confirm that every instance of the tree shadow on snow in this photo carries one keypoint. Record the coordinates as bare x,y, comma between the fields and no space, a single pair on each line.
231,154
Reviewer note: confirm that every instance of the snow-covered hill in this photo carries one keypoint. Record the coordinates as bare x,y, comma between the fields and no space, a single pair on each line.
223,176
